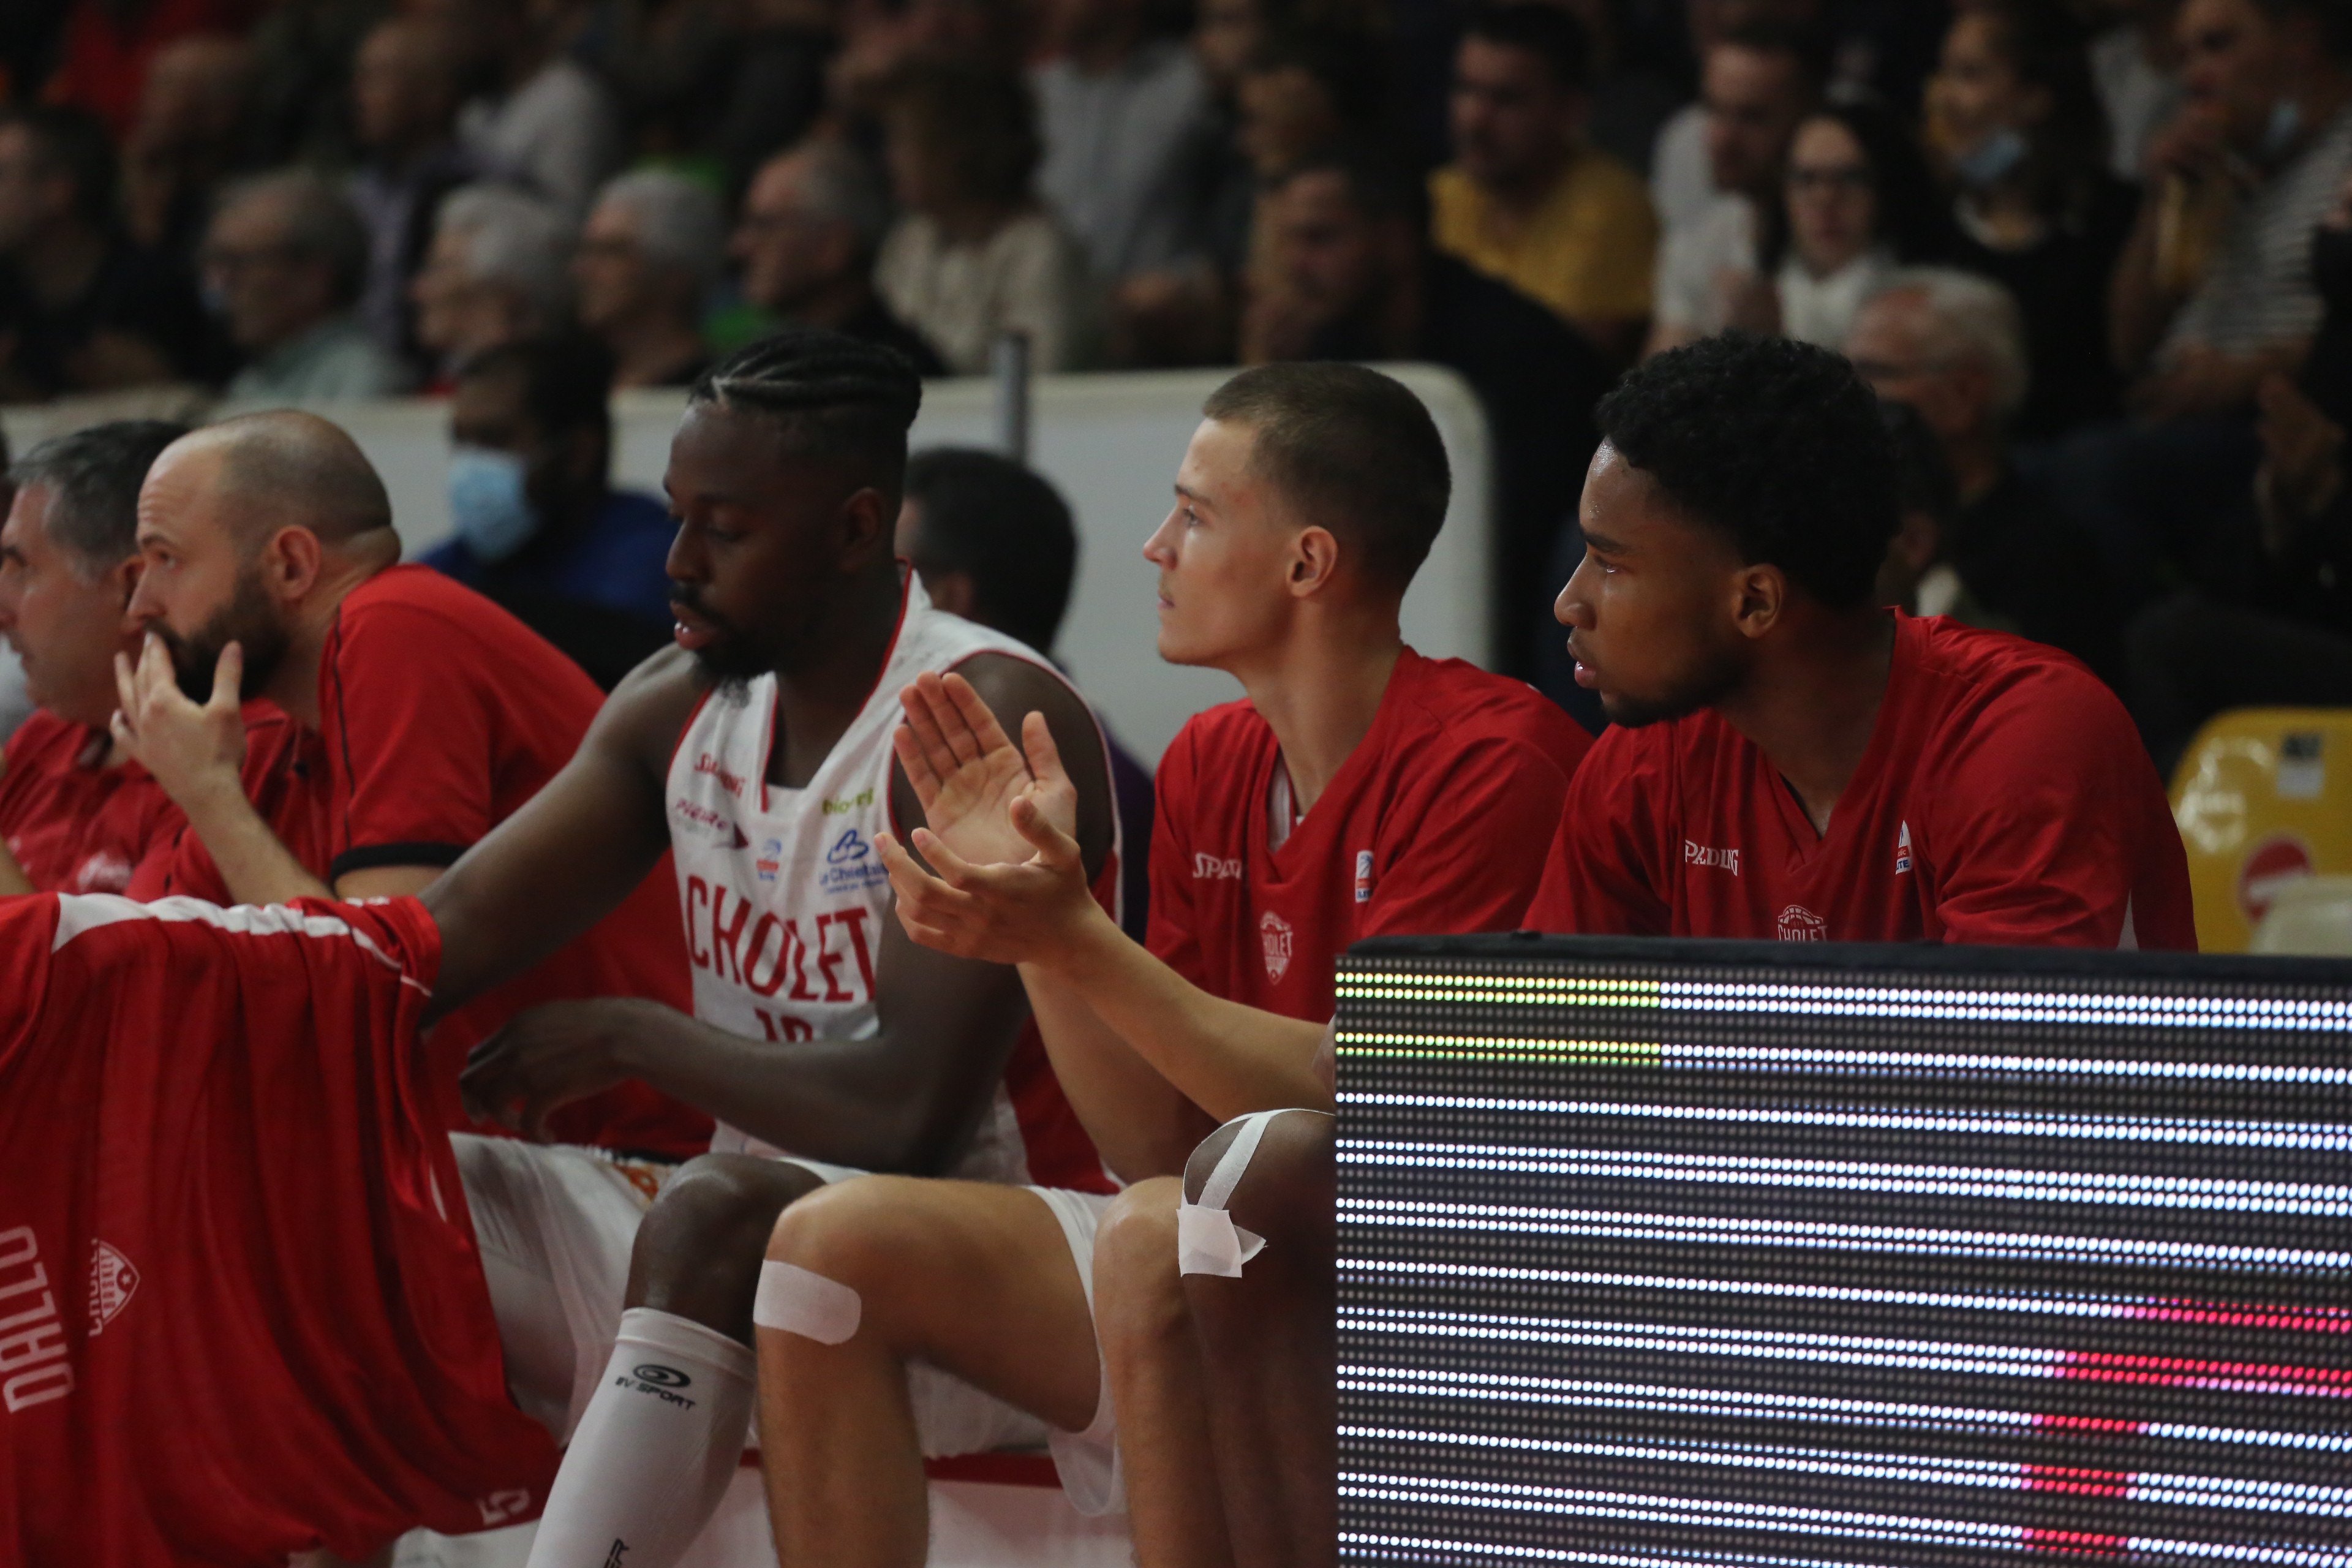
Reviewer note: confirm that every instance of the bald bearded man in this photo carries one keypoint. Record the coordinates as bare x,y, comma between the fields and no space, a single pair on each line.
427,715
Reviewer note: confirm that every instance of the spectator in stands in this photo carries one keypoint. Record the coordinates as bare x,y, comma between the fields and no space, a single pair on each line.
975,254
2214,290
77,814
539,526
2270,624
994,544
82,308
2136,62
190,136
1355,280
1127,132
1915,578
811,225
287,257
404,97
2267,96
654,245
1682,165
500,270
1858,203
1951,345
1527,199
302,57
107,48
547,117
2014,126
1758,83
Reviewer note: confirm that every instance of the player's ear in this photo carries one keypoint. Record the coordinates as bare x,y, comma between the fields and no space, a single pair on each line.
125,579
290,560
867,523
1763,592
1314,561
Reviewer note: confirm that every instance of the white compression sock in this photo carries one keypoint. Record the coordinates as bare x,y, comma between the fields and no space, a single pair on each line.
654,1449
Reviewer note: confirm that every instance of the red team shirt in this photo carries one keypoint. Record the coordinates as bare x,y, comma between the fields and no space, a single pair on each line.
1429,826
440,715
242,1313
74,824
2004,798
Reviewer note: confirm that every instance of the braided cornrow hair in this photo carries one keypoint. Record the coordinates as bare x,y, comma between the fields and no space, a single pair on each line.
829,395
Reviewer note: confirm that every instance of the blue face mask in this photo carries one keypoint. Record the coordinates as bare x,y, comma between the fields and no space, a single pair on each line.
487,502
1991,159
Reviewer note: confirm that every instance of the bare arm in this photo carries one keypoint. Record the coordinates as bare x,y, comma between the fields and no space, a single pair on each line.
1141,1123
905,1099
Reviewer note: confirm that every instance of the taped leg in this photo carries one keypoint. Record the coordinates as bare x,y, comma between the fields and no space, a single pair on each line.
1267,1343
665,1429
1152,1358
953,1277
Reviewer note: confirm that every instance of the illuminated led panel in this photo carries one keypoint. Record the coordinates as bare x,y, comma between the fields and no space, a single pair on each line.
1689,1255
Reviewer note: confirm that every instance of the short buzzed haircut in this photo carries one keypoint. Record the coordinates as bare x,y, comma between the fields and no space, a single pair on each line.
296,469
1003,525
1352,450
828,395
1778,444
92,477
1546,31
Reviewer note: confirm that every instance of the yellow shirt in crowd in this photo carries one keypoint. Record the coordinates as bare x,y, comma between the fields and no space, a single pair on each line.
1587,251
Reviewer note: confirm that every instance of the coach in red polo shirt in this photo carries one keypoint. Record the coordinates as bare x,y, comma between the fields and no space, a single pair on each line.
427,716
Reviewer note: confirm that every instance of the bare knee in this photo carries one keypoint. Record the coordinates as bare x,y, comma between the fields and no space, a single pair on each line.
699,1252
1139,1295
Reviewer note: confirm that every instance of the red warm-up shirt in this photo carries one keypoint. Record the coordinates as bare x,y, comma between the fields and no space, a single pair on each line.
242,1313
440,716
74,824
2004,798
1430,826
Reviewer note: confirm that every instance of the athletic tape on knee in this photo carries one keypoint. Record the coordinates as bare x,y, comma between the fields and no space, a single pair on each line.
800,1302
1207,1239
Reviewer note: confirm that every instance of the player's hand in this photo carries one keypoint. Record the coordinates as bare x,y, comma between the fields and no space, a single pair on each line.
191,750
968,774
1029,911
547,1057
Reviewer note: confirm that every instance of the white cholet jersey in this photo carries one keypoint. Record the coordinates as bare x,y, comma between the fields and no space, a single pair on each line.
783,892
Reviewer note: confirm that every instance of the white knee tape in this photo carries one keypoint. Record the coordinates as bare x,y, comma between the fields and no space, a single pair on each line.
1207,1239
803,1302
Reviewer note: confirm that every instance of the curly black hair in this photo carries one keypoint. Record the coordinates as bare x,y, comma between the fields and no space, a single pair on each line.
1777,443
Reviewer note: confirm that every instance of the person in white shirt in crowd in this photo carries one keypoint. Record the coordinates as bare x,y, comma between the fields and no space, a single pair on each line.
1759,81
1128,135
654,245
287,256
500,270
547,116
2137,65
974,255
1682,172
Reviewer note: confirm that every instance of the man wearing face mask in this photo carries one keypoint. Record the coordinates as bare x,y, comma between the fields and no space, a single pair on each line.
537,526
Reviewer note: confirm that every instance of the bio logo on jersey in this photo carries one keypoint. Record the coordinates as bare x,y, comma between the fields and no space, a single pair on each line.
1274,935
1363,875
771,860
850,866
1903,851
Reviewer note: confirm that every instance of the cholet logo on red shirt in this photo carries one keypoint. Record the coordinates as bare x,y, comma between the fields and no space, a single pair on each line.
1799,923
1274,932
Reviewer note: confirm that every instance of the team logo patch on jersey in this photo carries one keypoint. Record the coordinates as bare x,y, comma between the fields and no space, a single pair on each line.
771,860
111,1281
850,864
1274,932
1799,923
1363,875
1903,851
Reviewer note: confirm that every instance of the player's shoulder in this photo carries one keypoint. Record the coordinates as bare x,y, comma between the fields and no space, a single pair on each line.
1968,679
43,740
1220,735
1447,706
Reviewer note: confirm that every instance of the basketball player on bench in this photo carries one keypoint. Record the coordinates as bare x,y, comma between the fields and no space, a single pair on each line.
1360,789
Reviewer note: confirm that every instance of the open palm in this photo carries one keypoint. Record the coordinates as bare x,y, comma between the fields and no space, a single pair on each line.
968,774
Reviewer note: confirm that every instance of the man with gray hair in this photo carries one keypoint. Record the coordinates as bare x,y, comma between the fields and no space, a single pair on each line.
287,256
500,270
1952,345
654,244
812,223
77,814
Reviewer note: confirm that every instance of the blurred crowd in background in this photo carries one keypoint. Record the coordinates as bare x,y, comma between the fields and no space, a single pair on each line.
2095,255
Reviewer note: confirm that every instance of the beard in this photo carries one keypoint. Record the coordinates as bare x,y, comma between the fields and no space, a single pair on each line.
246,620
733,658
1703,687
